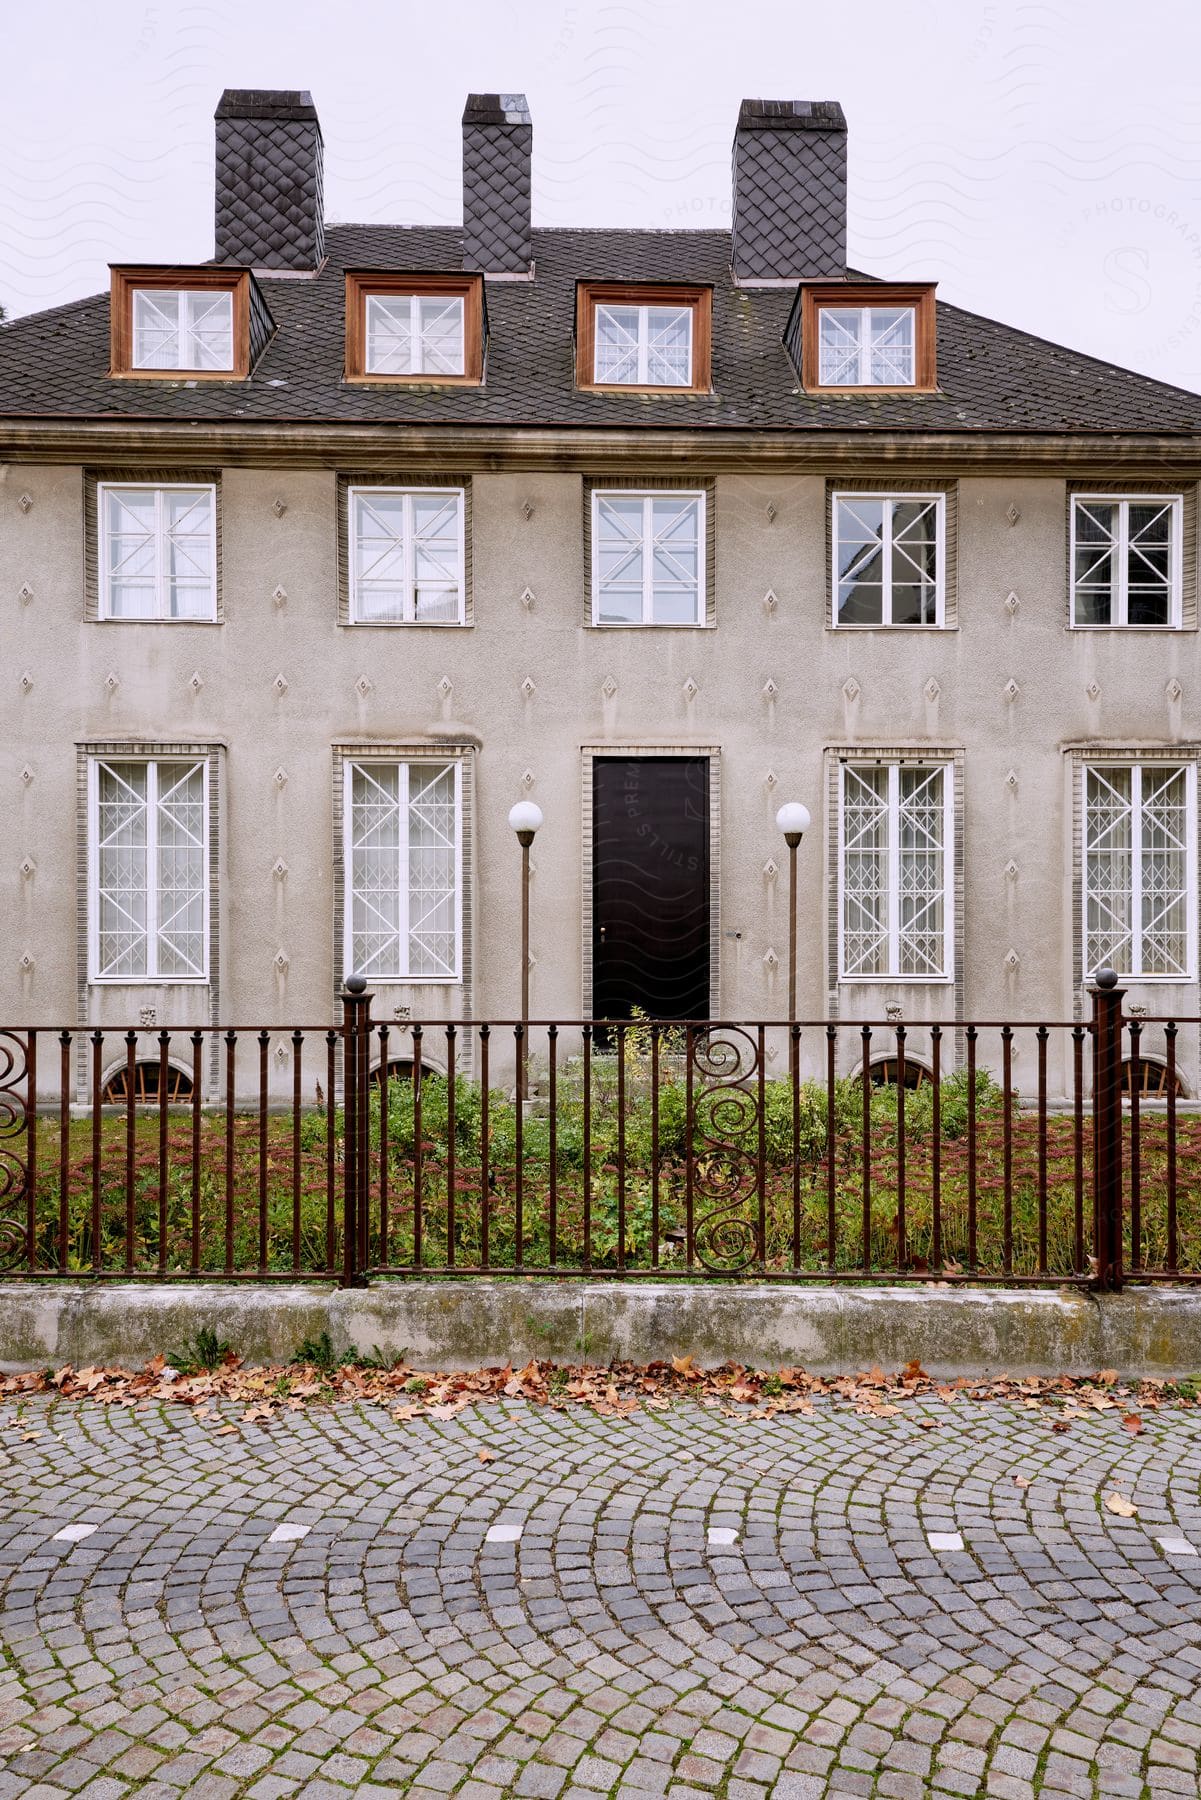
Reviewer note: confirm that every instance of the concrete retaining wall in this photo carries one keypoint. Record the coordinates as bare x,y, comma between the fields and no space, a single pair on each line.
467,1324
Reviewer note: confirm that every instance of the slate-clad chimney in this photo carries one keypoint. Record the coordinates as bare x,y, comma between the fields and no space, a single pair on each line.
498,139
790,190
270,205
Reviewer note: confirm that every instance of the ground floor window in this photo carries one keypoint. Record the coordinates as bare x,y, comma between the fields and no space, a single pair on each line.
148,858
894,871
1140,869
404,870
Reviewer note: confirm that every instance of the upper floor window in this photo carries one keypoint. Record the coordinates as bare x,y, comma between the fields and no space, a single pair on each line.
414,328
149,868
642,337
888,559
1126,559
403,860
406,555
870,335
895,894
203,324
157,554
648,552
1140,869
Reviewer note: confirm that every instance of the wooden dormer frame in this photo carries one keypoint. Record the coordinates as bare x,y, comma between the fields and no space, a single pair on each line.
360,283
590,294
817,295
125,279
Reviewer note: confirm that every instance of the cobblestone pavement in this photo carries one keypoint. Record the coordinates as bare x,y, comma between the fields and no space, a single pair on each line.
676,1603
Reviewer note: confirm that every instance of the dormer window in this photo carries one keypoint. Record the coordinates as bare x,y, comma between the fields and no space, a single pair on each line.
652,339
868,337
198,324
414,328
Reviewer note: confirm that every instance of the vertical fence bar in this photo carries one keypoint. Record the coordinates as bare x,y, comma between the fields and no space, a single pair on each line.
164,1049
1007,1150
297,1096
64,1150
655,1177
31,1149
936,1148
971,1149
523,1072
1136,1160
761,1148
418,1149
587,1146
621,1149
901,1248
1078,1035
97,1148
231,1047
485,1172
1170,1035
689,1129
1042,1035
331,1125
1107,1129
451,1167
865,1147
794,1082
383,1076
131,1123
350,1135
552,1146
264,1077
197,1094
363,1160
831,1147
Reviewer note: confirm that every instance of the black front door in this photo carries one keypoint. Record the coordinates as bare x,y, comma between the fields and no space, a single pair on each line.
650,887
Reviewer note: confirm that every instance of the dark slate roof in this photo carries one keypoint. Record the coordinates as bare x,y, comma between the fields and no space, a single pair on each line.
992,377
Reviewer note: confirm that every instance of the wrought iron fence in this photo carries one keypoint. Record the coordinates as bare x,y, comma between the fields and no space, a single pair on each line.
1049,1152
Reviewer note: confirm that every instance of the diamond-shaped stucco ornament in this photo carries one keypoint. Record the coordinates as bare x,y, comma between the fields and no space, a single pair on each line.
608,687
1011,690
528,688
691,689
932,690
280,777
771,869
1093,690
1012,959
1011,778
27,866
446,687
279,595
1011,603
25,502
850,688
279,507
279,868
770,690
363,686
770,602
280,684
27,774
527,598
1011,870
195,681
26,681
281,960
25,594
770,779
1013,513
112,681
1173,689
527,778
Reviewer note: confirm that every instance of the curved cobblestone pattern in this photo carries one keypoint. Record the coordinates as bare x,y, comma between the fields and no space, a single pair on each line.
524,1602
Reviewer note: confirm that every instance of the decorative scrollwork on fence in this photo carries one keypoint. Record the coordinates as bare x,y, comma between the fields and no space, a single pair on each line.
14,1125
725,1114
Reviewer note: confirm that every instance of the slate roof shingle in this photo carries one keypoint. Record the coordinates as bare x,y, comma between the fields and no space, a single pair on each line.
992,377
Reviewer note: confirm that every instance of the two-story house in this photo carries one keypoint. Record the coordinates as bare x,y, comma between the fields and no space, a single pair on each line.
318,556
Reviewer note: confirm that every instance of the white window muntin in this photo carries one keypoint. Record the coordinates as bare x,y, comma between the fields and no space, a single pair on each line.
890,938
406,556
867,346
389,907
1118,555
1129,896
154,886
415,334
183,328
642,345
157,551
894,559
647,559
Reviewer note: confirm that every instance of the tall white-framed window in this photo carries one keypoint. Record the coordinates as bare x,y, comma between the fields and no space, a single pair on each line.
866,346
415,334
1140,869
896,871
157,554
406,555
1126,558
642,345
648,557
183,328
403,859
148,869
889,559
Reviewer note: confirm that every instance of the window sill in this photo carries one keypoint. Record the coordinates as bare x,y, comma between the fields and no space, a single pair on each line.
147,619
679,391
648,625
180,377
836,626
148,981
407,624
896,981
1154,630
438,381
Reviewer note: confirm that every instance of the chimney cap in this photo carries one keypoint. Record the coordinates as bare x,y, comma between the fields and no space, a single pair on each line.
497,109
791,115
267,103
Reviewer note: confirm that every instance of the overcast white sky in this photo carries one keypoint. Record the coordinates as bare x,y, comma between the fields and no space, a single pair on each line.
1041,161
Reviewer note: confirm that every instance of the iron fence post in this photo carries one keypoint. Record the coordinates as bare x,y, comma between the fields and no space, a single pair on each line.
1107,998
356,1063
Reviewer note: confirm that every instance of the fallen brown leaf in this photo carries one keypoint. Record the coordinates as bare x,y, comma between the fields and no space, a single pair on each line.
1118,1503
1133,1424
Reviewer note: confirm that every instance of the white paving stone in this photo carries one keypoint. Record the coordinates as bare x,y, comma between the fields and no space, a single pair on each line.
945,1540
1174,1546
287,1533
721,1534
502,1534
71,1534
